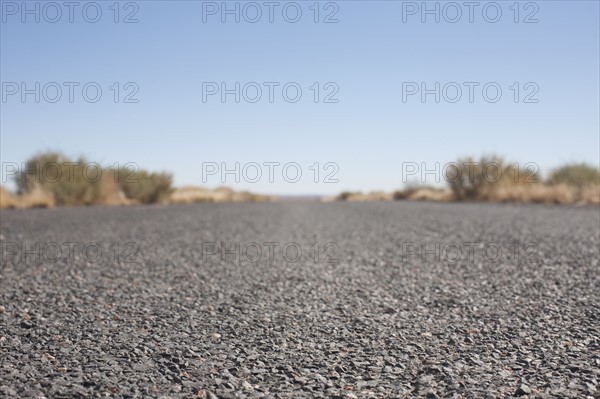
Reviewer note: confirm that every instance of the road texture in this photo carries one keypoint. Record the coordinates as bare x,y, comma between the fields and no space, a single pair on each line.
151,301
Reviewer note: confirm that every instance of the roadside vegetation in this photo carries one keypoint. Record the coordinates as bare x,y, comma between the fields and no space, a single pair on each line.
52,179
491,179
193,194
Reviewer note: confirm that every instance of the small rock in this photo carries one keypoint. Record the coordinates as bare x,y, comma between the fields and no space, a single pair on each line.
26,324
426,380
300,380
523,390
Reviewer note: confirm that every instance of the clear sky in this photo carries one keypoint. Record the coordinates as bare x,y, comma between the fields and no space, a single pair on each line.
366,56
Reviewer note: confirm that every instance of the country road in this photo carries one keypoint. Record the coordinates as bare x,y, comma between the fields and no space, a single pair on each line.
293,300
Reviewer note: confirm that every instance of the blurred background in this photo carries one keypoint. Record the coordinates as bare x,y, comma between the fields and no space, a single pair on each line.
353,95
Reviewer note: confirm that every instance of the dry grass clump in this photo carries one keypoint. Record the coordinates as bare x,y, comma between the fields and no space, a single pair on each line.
246,196
192,194
223,194
7,199
423,193
37,197
537,193
362,197
591,194
430,194
346,195
111,193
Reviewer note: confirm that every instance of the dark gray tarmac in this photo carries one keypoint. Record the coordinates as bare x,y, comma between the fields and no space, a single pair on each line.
152,302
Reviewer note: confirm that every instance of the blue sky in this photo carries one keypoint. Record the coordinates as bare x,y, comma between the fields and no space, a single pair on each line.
367,55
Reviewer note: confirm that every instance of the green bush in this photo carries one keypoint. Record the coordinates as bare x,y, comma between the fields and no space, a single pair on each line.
62,178
477,180
575,175
145,187
80,182
467,180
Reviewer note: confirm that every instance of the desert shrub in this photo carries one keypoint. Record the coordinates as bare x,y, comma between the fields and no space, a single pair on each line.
343,196
481,180
468,180
145,187
68,182
364,197
575,175
409,189
400,195
72,183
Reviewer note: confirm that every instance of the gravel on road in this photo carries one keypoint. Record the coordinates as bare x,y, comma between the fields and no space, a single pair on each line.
301,300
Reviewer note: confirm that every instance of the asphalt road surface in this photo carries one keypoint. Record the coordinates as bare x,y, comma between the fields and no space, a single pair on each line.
301,300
